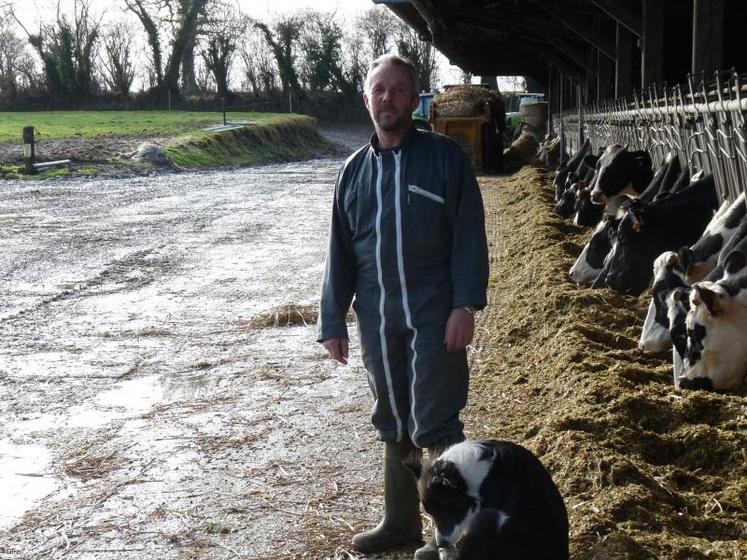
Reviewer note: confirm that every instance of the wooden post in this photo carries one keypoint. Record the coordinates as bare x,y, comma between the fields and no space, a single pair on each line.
623,66
223,108
652,59
29,149
708,35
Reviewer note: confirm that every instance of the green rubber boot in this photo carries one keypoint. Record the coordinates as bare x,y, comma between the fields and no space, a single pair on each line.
401,524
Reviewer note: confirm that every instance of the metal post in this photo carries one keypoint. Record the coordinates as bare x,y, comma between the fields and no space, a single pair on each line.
290,100
223,108
29,148
563,157
580,117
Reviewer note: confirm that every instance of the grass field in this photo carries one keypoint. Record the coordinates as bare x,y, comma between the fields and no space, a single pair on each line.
70,124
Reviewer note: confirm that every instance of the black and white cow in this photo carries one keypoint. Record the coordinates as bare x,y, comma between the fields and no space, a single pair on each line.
671,271
566,174
582,178
655,335
587,214
590,262
700,259
678,305
672,169
716,355
647,230
657,182
621,172
566,206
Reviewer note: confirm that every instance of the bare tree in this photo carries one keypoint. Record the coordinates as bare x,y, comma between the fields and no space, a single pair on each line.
118,71
220,46
186,19
67,50
321,43
283,41
377,25
146,11
260,68
16,65
422,55
178,19
354,61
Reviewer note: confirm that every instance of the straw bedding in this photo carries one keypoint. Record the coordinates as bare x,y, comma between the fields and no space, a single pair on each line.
646,471
464,101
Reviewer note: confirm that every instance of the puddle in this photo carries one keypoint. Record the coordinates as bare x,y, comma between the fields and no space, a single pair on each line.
139,395
23,481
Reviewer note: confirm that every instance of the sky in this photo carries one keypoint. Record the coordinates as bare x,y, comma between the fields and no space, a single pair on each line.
30,11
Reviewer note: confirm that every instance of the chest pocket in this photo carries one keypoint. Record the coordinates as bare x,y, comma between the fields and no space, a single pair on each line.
427,194
426,221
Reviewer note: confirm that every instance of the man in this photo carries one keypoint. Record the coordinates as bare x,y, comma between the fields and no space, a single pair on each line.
408,241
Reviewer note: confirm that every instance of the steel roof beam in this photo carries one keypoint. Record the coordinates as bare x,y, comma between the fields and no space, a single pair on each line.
582,31
621,15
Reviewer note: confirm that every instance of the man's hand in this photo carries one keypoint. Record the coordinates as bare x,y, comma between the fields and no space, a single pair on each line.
337,348
460,327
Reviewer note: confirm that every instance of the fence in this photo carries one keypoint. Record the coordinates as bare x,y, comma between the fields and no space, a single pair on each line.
704,123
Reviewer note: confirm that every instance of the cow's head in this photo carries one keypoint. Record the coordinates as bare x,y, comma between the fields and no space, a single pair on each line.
629,269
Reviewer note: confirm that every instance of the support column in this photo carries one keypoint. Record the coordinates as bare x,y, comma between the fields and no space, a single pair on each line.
603,66
623,66
652,59
708,35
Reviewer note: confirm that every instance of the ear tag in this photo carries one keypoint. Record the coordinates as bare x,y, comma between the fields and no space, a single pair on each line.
637,227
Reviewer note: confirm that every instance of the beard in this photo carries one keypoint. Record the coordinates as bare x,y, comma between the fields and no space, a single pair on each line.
389,120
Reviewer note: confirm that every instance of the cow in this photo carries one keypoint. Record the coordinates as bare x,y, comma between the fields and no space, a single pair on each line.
591,260
671,271
562,175
647,230
678,305
621,172
588,214
566,206
582,178
716,355
655,335
657,182
700,259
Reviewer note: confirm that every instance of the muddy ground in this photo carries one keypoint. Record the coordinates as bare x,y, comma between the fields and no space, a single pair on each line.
161,395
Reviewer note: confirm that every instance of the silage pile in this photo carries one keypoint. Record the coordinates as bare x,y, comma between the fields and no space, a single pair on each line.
646,471
464,101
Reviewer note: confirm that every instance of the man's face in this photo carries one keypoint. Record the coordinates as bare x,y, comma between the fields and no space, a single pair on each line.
390,98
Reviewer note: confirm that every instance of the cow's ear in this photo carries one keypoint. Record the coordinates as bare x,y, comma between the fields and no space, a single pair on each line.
672,260
735,262
414,464
710,299
685,259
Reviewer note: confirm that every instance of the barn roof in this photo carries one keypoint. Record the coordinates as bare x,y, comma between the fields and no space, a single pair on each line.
488,37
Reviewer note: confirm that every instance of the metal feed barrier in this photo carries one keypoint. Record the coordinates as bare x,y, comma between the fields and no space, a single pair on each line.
704,123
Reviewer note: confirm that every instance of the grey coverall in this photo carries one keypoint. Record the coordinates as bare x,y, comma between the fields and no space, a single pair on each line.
408,240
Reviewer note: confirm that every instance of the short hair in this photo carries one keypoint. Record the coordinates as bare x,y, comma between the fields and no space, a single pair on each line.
395,60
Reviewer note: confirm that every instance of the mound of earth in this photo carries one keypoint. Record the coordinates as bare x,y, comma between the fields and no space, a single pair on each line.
646,471
80,150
